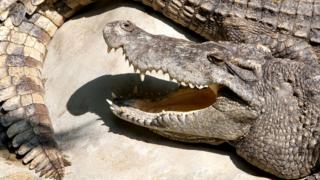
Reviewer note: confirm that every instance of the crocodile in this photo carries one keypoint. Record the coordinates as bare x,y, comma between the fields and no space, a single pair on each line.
290,29
239,93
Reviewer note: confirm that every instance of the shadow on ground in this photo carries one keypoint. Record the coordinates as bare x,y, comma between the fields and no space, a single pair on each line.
92,96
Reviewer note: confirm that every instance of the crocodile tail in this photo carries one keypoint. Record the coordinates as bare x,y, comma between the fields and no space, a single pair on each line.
24,115
17,9
26,27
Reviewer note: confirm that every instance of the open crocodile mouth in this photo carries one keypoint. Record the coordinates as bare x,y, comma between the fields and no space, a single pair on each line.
187,98
211,103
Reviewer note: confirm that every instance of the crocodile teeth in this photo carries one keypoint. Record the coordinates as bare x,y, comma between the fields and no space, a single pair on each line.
174,80
131,66
109,102
183,84
142,76
166,76
200,87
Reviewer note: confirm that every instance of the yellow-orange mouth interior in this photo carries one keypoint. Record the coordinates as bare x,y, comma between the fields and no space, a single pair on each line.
182,100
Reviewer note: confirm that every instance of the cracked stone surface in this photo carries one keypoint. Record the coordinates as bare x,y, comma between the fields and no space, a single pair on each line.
80,76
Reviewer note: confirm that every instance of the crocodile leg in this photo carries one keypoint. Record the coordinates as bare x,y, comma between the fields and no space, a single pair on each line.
275,24
25,120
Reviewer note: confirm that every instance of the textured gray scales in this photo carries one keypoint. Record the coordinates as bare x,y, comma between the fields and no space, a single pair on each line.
289,28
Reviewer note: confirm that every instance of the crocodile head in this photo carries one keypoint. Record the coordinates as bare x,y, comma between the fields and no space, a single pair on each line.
224,87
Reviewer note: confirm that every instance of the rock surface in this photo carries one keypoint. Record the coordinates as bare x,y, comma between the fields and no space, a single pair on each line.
80,76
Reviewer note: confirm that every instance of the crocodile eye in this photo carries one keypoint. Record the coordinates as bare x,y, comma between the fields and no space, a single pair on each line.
217,60
127,26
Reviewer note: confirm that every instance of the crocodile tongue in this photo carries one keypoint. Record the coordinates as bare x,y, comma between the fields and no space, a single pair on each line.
181,100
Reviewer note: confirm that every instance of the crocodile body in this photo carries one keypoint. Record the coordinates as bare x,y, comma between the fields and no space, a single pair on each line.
285,26
299,18
290,29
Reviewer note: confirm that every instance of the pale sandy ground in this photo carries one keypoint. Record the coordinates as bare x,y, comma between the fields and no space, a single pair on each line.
80,76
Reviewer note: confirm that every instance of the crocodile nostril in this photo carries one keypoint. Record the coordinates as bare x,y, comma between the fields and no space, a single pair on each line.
127,26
